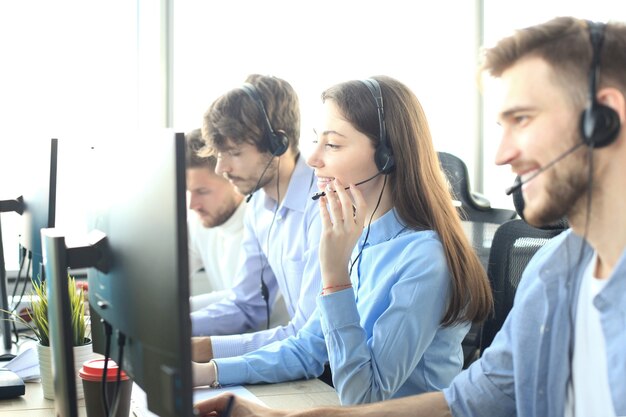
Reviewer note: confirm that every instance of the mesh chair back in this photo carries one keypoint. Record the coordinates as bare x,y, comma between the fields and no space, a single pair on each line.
514,244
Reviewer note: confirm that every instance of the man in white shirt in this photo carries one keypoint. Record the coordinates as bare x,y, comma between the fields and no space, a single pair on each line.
216,232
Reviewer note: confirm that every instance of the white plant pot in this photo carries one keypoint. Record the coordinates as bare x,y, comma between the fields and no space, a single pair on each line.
81,354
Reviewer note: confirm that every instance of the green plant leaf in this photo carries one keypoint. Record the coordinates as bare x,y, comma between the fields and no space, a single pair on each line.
39,313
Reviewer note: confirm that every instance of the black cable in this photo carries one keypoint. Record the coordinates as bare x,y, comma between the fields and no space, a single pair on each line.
19,275
121,341
367,233
108,330
15,333
256,187
24,332
27,281
264,290
15,305
589,195
26,336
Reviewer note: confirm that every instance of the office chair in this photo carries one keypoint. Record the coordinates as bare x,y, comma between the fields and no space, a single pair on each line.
474,206
480,221
514,244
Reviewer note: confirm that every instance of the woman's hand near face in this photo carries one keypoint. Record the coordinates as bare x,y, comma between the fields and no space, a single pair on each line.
342,224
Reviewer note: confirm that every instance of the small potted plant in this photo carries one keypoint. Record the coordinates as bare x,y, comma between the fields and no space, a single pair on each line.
38,323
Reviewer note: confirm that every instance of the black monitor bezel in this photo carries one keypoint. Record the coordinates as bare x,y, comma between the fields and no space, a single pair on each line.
170,393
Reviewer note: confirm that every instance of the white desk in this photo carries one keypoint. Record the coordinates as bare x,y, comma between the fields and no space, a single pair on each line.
294,395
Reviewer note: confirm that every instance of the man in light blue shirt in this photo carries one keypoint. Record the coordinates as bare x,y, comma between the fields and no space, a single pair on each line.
526,370
562,116
254,131
561,350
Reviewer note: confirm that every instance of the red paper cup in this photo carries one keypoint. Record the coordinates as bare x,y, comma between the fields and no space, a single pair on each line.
91,375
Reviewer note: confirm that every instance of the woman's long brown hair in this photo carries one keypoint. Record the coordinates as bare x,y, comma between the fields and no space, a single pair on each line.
419,190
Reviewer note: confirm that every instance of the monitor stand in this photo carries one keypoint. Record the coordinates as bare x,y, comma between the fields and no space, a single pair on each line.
59,257
7,350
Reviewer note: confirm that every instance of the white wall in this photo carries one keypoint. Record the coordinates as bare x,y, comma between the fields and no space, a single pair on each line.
430,46
79,70
67,70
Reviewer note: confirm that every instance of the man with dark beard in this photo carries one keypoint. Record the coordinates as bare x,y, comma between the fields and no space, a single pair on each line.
561,350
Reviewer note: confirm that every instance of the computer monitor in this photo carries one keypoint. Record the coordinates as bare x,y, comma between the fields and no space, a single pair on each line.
37,206
141,284
13,205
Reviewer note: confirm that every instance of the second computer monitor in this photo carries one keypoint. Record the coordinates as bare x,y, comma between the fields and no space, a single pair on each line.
39,193
139,202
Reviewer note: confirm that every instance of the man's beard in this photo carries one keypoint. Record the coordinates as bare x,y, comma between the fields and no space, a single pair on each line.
266,176
216,221
565,190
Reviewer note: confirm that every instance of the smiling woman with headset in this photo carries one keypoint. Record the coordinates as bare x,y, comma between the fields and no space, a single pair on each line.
401,282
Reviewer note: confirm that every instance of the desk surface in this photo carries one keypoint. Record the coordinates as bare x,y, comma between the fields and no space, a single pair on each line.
295,395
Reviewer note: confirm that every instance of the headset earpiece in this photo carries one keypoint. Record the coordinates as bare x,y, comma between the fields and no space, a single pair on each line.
383,156
277,141
599,124
384,159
